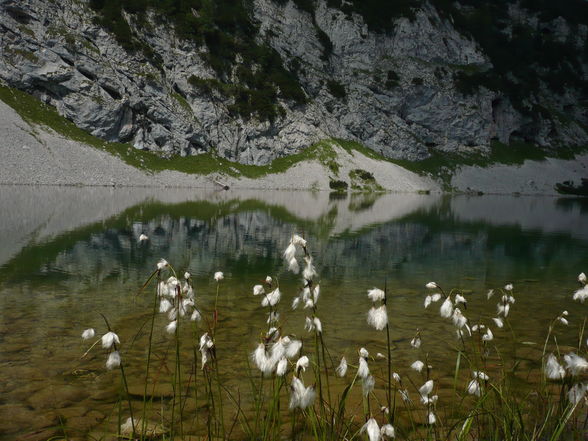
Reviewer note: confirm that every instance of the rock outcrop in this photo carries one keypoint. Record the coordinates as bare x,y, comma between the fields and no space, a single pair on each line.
392,91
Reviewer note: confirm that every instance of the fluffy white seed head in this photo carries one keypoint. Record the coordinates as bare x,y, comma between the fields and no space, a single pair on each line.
88,334
162,264
577,393
378,317
301,396
293,265
498,321
271,299
318,326
428,301
363,370
282,367
379,355
416,342
431,418
298,241
553,370
418,365
302,363
143,237
582,278
171,327
289,252
113,360
293,348
459,320
268,280
316,293
431,285
109,339
363,352
218,276
490,293
446,308
474,388
258,290
309,272
396,377
427,388
195,317
581,294
165,305
372,429
367,385
387,430
488,336
342,368
376,294
575,364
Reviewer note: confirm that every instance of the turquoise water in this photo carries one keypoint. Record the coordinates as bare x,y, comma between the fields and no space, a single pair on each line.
68,254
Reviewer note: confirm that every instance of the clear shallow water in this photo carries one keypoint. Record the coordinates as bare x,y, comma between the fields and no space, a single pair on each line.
67,254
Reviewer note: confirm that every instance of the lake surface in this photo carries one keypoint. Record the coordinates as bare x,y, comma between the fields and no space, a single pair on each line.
68,254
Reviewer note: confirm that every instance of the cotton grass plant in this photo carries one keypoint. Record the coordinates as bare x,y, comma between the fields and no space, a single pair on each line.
300,391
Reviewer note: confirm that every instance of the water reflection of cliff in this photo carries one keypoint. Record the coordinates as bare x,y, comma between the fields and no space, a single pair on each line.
93,233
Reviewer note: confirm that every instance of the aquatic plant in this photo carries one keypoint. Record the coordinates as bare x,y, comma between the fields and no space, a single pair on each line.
299,392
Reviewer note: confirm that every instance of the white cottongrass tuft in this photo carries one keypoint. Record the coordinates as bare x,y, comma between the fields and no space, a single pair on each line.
554,370
342,368
206,348
295,302
380,355
490,294
563,320
308,324
363,370
508,287
431,285
113,360
162,264
171,327
293,265
268,280
292,347
302,363
195,317
271,299
109,339
316,293
372,429
576,393
88,334
581,294
258,290
396,377
459,320
309,272
187,275
404,395
416,342
298,240
376,294
426,389
378,317
418,365
488,336
498,321
575,364
460,299
503,309
446,308
218,276
301,396
318,326
431,418
474,388
143,237
387,430
165,305
282,367
432,299
289,252
367,385
363,352
582,278
480,375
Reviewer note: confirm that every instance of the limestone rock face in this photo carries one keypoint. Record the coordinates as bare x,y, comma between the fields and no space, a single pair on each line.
56,51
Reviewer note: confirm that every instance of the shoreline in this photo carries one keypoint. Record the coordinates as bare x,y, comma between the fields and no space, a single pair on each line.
33,155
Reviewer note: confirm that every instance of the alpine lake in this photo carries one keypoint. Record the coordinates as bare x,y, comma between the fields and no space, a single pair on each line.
70,255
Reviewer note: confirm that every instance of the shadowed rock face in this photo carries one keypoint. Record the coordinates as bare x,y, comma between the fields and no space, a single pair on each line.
58,53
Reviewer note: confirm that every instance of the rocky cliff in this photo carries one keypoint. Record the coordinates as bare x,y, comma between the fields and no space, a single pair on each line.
265,78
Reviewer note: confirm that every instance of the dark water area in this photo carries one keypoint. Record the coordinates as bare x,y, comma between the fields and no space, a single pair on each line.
69,254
